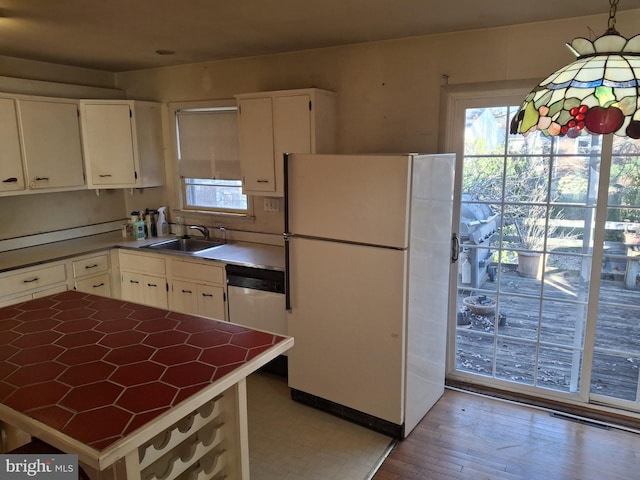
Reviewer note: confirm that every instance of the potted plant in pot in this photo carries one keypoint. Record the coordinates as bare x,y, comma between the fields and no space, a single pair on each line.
532,231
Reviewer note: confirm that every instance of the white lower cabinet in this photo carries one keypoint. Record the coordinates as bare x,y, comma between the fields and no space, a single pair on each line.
33,282
198,288
143,278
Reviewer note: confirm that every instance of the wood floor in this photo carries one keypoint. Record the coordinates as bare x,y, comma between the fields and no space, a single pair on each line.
467,436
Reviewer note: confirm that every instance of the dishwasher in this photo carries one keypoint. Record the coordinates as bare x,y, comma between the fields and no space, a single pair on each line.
256,298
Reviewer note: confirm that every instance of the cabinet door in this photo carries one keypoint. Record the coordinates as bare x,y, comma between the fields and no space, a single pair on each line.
155,291
184,297
108,144
211,302
133,287
51,143
255,123
291,131
11,174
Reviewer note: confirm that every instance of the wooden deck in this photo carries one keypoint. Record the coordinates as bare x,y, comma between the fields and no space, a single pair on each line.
516,329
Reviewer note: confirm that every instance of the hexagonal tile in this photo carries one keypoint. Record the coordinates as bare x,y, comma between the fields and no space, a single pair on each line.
32,396
86,397
37,321
252,339
137,373
86,373
159,325
99,424
108,314
121,339
196,324
149,313
36,338
77,339
129,354
188,374
37,304
7,351
52,415
39,354
74,314
83,354
76,325
165,339
38,373
8,337
176,354
116,325
144,398
223,355
211,338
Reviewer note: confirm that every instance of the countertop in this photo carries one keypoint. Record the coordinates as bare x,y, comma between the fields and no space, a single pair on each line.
95,369
240,253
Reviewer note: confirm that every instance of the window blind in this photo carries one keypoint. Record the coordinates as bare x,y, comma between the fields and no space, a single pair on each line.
208,143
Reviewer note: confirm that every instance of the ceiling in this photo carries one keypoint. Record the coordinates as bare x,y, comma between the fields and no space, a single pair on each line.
122,35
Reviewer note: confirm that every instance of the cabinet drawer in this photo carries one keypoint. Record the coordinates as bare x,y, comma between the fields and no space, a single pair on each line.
32,279
91,265
98,285
196,271
142,263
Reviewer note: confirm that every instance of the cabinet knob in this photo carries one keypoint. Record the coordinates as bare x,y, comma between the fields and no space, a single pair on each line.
31,280
187,291
91,266
98,285
104,175
42,179
10,180
263,181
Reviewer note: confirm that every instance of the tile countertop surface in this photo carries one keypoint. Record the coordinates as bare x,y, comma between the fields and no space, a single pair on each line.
242,253
96,369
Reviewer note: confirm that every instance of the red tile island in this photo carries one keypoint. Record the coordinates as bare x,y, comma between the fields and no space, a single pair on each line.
137,392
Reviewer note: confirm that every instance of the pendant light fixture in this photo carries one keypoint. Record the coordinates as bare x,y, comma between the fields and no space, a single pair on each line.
599,92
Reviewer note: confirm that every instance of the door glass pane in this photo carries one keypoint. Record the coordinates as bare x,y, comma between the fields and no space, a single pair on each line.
526,230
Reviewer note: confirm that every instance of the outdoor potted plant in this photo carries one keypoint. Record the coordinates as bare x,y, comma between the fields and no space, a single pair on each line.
532,232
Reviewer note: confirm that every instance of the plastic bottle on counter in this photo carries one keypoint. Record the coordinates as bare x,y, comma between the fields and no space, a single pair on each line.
163,225
138,228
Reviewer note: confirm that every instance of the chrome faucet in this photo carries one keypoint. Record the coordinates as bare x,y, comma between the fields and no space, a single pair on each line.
202,229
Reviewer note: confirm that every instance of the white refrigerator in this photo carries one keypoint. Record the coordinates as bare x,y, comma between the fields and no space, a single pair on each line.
369,249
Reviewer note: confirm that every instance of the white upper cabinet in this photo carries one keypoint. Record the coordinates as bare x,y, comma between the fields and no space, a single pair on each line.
274,123
51,144
11,171
122,142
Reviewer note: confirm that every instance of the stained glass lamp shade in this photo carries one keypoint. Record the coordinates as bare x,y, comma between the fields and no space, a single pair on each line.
599,92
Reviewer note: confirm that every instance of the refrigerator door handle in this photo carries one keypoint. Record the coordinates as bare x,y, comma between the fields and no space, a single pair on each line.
455,248
287,289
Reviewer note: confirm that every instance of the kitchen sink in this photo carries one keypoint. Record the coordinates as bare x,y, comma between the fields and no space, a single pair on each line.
187,245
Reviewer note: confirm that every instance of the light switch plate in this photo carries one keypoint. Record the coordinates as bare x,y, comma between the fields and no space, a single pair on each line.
271,204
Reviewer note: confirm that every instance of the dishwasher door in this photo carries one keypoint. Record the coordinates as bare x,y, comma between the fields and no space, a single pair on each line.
256,298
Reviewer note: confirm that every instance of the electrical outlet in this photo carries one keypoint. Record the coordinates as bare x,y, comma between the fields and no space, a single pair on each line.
271,204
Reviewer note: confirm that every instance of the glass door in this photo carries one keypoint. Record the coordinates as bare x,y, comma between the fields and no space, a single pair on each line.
546,288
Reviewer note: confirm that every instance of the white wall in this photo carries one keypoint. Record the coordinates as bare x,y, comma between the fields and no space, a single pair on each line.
389,92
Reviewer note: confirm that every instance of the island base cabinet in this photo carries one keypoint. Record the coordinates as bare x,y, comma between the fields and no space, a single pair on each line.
209,443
